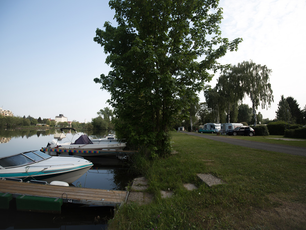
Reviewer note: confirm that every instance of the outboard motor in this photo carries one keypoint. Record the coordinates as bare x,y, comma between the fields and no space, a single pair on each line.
52,144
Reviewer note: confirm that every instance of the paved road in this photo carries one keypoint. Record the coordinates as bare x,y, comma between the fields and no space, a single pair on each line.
253,144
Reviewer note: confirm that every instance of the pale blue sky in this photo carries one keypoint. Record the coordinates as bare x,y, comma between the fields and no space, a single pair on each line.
49,59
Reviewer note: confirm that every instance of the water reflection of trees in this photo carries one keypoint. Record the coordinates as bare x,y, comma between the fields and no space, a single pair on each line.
122,177
8,134
25,133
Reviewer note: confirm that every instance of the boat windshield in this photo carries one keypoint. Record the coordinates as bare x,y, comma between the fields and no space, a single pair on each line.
16,160
33,156
42,154
23,159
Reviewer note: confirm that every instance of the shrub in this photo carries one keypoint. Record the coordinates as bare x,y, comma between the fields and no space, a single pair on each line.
289,133
277,127
261,130
296,133
295,126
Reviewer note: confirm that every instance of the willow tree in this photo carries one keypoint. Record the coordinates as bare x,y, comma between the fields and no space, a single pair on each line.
230,90
215,103
159,52
256,84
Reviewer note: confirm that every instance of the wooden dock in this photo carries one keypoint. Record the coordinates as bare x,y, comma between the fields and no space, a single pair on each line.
74,195
78,152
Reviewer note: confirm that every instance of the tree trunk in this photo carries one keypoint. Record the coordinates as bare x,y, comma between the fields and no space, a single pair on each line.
228,113
254,114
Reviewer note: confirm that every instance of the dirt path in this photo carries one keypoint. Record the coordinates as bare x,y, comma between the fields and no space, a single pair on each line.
253,144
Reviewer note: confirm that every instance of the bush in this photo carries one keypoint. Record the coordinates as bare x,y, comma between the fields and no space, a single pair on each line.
277,127
296,133
295,126
261,130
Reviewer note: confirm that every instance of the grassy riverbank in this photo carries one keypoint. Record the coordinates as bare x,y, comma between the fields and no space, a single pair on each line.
263,190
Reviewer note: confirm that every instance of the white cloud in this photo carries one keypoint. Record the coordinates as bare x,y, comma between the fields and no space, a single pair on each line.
273,33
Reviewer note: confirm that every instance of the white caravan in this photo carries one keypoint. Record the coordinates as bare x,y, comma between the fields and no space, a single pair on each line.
210,128
230,126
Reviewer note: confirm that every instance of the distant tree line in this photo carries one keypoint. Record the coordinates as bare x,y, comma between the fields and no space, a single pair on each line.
12,122
104,121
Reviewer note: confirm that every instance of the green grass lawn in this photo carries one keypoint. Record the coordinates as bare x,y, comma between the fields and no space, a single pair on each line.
272,139
262,190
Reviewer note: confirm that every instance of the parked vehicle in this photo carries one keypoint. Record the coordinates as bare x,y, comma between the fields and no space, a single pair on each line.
226,127
210,128
243,130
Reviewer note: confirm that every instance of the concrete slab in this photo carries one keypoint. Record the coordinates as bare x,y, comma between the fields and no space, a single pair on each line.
139,184
140,181
210,180
166,194
190,187
140,198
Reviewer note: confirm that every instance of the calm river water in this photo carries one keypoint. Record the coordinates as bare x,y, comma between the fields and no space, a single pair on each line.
99,176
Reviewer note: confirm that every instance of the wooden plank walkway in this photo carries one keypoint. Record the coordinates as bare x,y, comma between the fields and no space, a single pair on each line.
84,153
69,194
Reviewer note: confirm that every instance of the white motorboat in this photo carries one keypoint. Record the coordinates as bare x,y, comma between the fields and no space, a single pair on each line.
84,143
108,138
36,165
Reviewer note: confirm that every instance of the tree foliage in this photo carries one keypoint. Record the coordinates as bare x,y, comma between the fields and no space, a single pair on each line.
288,110
283,111
244,113
153,53
247,78
215,103
256,84
230,91
296,113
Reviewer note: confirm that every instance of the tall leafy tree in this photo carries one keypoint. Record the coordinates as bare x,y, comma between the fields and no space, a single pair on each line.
99,123
230,90
215,103
244,113
256,84
283,111
304,115
296,113
107,114
203,113
153,53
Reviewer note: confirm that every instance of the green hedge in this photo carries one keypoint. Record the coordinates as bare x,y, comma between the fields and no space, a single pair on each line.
296,133
277,127
261,130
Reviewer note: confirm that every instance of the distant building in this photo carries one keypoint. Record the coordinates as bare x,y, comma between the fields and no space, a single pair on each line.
61,118
6,113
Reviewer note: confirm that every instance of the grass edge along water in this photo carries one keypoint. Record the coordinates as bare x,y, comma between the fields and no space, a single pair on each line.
262,189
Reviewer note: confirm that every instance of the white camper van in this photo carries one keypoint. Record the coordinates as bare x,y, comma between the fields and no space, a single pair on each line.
210,128
230,126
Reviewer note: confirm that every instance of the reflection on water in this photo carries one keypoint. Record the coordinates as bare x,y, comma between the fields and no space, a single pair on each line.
109,174
5,139
70,218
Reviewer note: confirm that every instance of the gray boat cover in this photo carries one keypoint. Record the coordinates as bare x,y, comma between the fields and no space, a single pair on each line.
83,139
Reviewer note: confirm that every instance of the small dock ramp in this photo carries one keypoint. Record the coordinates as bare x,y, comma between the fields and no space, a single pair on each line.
75,195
